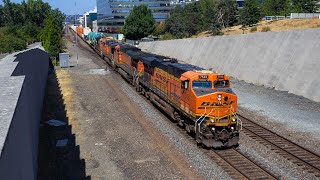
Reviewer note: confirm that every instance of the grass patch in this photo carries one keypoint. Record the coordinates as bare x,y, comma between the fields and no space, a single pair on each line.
253,29
266,29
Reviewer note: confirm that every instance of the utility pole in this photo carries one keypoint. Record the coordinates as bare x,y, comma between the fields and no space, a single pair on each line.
75,4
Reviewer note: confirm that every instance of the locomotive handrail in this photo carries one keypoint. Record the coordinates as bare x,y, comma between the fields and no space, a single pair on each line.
195,126
204,119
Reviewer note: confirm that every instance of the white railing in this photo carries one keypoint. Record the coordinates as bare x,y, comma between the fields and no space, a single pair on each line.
305,16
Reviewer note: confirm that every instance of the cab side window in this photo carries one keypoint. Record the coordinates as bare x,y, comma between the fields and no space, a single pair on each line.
185,85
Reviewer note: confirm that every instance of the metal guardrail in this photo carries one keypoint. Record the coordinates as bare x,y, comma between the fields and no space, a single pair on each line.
295,16
276,17
305,16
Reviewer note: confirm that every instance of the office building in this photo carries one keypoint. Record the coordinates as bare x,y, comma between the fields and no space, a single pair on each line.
89,17
111,14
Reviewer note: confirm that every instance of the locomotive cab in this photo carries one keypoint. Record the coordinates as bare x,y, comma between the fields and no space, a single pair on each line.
214,110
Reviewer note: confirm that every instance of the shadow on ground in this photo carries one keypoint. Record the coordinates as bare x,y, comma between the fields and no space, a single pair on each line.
58,162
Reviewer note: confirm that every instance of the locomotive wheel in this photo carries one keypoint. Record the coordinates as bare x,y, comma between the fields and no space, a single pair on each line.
188,128
205,147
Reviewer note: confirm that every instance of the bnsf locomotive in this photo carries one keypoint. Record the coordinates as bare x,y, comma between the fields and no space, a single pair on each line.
199,100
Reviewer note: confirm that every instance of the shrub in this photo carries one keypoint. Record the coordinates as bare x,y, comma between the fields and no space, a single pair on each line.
266,29
11,43
253,29
167,36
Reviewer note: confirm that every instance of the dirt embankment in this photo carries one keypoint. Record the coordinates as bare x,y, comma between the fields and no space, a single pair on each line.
272,26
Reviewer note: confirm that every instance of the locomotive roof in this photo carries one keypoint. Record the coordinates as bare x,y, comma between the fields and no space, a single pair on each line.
150,60
125,48
110,41
175,68
185,67
162,62
135,54
113,45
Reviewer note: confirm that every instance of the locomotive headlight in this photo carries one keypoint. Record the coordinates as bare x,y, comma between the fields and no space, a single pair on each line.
212,120
232,128
213,129
233,119
219,97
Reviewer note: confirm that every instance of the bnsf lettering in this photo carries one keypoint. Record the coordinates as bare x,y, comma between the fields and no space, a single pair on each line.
162,78
205,104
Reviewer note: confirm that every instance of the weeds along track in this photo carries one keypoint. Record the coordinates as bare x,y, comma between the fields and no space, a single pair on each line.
304,158
236,164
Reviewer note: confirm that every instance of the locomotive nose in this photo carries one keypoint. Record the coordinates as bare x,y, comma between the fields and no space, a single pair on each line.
221,97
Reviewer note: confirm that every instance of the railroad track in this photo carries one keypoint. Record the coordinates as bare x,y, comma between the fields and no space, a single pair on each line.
304,158
233,162
242,166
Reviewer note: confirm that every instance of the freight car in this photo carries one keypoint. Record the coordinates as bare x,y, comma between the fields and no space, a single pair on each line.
199,100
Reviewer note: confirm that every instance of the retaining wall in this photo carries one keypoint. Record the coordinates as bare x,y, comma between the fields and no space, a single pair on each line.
24,78
288,61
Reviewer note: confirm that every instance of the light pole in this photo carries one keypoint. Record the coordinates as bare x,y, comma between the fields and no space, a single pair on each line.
75,4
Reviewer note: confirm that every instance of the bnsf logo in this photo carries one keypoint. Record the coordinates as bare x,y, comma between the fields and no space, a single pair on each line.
209,104
162,78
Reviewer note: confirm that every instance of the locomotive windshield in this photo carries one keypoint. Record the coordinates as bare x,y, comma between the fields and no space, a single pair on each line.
201,84
221,84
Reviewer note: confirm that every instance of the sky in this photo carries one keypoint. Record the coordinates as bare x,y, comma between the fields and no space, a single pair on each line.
68,6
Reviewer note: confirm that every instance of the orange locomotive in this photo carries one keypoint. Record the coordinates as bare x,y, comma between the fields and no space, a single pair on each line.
199,100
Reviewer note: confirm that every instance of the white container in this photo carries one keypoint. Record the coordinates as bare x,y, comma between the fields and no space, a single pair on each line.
64,60
86,31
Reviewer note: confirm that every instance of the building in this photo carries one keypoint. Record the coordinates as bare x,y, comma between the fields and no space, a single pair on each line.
240,3
89,17
111,14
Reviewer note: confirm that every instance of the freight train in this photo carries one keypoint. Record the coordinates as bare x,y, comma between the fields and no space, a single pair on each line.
199,100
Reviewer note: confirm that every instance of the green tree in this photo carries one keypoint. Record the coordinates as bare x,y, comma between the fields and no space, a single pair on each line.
139,23
305,6
1,16
250,13
277,7
167,36
13,13
227,11
208,13
159,29
59,16
193,18
22,24
51,36
175,24
38,11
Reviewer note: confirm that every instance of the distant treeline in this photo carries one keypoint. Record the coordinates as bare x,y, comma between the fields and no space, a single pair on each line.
213,15
28,22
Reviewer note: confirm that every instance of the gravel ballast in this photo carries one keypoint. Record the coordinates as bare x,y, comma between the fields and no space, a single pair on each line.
293,117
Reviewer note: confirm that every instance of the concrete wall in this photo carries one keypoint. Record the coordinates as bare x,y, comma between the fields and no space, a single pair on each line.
20,127
288,61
